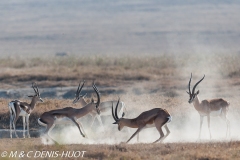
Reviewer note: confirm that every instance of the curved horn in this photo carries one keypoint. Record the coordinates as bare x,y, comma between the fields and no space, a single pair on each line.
117,108
37,89
123,114
189,87
98,96
197,84
33,86
80,88
95,86
113,113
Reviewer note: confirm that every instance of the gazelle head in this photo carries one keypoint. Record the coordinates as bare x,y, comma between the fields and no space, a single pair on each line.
37,94
193,94
78,96
119,121
98,96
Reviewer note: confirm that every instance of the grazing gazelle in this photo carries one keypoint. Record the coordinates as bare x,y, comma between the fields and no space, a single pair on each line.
104,107
210,107
156,117
18,108
68,114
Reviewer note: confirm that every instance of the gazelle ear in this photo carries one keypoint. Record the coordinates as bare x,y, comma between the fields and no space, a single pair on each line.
30,96
197,92
123,114
115,123
187,92
84,95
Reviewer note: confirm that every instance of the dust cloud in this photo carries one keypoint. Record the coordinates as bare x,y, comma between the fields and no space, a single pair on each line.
185,123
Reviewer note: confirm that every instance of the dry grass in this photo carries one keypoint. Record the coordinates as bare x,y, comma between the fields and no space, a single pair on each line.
113,70
147,82
218,150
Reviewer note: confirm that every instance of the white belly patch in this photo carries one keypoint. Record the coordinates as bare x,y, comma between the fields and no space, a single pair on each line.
216,113
62,120
22,112
150,125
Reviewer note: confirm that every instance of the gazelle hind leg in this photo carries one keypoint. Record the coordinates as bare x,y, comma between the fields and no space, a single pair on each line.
159,123
208,118
10,127
14,123
12,117
168,131
159,128
228,133
50,126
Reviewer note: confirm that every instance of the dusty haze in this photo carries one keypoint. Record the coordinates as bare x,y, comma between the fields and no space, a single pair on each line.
141,51
118,27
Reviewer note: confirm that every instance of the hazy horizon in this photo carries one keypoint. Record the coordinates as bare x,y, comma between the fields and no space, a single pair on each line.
119,27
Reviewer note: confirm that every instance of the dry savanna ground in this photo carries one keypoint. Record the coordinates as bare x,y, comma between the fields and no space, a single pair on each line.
146,82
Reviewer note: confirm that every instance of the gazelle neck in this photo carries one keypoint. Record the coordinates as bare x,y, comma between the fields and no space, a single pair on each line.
33,102
130,123
82,102
86,109
197,103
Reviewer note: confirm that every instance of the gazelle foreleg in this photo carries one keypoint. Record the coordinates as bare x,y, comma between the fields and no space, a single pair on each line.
228,128
27,120
100,121
24,124
11,123
94,117
200,130
75,122
138,130
81,126
138,137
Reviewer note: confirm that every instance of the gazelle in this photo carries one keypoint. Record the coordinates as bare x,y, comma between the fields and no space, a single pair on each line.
18,108
210,107
68,114
104,107
156,117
